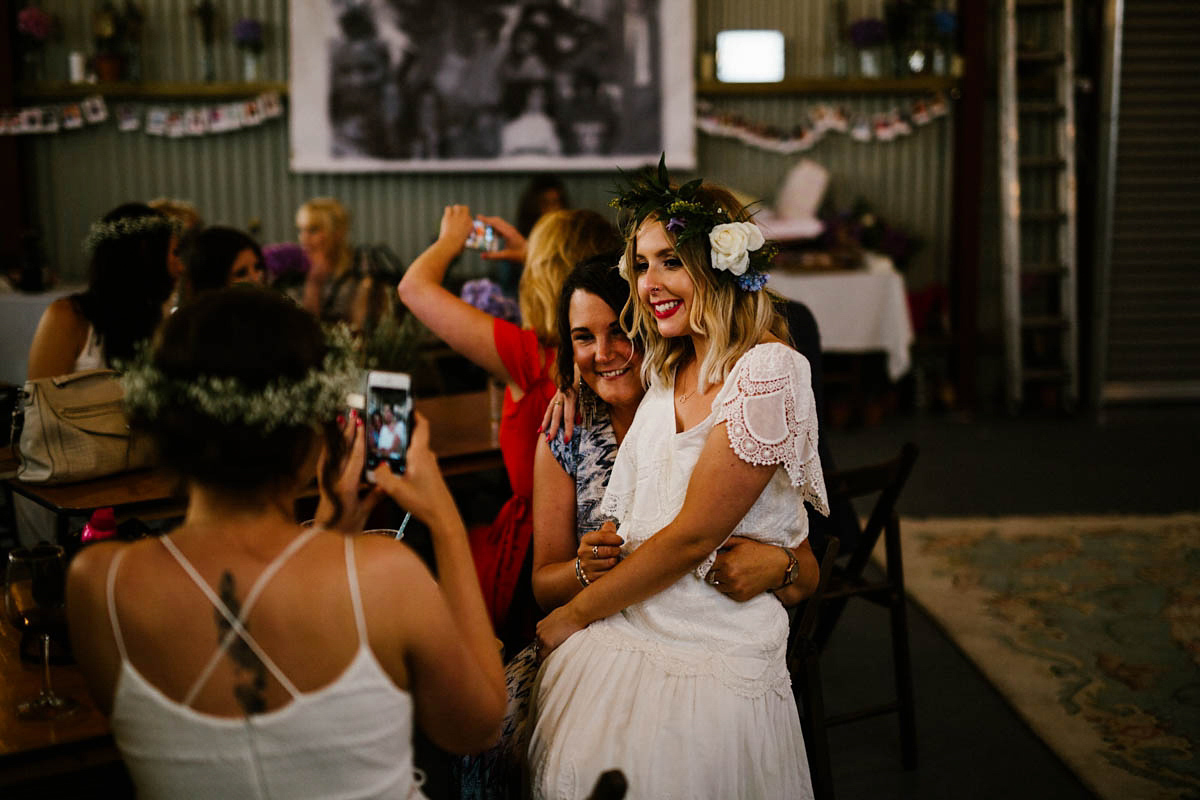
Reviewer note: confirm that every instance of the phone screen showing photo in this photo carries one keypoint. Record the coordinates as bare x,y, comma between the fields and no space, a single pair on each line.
389,415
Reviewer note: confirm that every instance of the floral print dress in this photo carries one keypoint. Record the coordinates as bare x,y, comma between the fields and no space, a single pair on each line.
500,773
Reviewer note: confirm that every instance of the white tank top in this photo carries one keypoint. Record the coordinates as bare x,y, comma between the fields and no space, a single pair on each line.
92,355
349,739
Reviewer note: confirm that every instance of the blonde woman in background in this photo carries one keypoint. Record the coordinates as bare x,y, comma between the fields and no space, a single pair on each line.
520,357
344,283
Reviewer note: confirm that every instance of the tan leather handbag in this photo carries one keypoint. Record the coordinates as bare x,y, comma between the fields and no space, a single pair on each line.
75,429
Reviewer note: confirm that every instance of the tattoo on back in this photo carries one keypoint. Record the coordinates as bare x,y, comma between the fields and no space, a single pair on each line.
252,673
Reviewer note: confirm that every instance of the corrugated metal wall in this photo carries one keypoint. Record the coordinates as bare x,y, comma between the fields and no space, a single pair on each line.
1152,347
238,177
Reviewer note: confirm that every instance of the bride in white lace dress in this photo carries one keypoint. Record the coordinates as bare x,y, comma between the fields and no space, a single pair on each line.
652,671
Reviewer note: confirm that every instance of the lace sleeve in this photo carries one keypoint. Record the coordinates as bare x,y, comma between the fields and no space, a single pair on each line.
770,415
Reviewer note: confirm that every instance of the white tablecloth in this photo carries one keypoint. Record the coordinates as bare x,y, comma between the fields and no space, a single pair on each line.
856,312
19,315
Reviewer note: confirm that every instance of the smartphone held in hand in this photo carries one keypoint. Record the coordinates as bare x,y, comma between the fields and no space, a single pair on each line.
484,237
389,419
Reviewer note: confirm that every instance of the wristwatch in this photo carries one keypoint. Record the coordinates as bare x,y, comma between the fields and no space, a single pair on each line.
793,567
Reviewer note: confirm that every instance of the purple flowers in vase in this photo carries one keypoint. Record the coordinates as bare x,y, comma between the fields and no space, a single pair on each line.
869,35
248,36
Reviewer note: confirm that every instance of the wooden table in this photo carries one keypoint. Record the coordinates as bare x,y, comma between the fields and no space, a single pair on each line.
32,750
463,436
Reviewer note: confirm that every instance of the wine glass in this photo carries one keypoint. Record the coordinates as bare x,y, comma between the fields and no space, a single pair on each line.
34,598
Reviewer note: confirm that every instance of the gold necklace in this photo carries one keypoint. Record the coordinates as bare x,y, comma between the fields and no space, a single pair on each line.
683,398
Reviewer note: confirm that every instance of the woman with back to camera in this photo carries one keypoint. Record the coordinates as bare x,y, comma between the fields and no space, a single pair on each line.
128,282
521,358
688,692
225,675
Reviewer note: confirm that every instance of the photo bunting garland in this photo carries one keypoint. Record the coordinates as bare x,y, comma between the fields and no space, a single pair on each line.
820,120
154,120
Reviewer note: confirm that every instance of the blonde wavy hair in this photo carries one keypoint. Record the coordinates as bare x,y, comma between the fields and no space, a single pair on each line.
559,241
733,320
336,219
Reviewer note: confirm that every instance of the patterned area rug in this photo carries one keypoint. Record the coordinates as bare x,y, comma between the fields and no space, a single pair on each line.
1090,627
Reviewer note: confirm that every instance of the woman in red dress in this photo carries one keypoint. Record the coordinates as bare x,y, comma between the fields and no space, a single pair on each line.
520,357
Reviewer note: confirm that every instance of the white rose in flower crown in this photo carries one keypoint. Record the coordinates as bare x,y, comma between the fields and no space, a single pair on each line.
623,267
731,245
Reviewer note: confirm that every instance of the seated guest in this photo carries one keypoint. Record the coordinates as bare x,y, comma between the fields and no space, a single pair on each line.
570,549
188,222
544,193
224,673
523,359
217,257
128,282
343,283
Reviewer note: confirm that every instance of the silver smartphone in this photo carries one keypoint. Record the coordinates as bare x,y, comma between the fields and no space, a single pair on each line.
388,419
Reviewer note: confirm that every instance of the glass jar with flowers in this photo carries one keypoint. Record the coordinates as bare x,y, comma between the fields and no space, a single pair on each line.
248,36
35,26
869,36
945,31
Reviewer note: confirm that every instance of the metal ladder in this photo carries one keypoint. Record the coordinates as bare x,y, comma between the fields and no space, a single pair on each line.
1037,190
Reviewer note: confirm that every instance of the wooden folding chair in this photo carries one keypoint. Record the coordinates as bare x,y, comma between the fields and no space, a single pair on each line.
803,660
841,579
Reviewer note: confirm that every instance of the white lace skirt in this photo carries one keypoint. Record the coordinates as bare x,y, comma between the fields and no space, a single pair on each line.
681,719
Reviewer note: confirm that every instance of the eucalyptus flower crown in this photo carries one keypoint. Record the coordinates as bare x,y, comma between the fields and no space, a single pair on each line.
736,247
128,226
285,402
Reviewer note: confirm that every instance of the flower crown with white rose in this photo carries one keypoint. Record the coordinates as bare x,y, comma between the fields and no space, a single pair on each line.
735,247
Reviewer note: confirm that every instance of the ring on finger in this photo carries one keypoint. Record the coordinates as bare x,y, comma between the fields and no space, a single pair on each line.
595,552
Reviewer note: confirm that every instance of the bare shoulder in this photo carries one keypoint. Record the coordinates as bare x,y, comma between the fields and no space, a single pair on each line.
87,577
65,316
59,339
92,563
390,569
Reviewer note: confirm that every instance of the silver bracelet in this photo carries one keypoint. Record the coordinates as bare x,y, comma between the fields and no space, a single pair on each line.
583,579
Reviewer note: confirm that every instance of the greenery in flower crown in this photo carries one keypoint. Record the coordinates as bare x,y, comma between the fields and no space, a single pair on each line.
286,402
128,226
650,192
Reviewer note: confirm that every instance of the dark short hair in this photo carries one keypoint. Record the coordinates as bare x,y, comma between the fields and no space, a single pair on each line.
596,275
257,337
209,256
529,204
